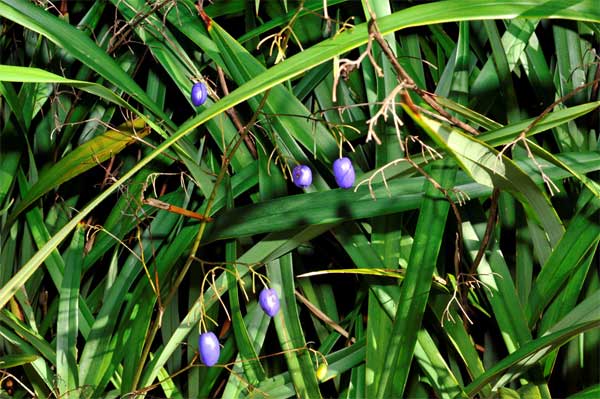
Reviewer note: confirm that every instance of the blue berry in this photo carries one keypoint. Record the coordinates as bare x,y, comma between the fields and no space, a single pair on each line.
269,301
302,176
344,172
208,345
199,94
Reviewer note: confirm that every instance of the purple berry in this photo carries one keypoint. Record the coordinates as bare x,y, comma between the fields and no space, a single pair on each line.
208,344
302,176
199,94
269,301
344,172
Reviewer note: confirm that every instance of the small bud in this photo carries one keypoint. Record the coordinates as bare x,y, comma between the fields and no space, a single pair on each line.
269,301
302,176
321,371
344,172
208,345
199,94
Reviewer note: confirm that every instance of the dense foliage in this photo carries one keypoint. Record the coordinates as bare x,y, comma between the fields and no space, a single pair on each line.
353,199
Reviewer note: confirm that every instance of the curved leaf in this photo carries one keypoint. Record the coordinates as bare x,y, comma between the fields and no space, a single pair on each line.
491,169
81,159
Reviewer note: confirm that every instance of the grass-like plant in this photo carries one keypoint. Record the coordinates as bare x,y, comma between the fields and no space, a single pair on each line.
458,260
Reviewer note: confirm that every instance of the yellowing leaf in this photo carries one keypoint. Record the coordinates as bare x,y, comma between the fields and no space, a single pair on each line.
82,159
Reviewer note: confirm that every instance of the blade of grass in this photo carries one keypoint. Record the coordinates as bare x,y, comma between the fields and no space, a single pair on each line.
503,69
417,283
289,329
583,233
271,247
529,354
425,14
386,232
289,121
67,324
501,293
81,159
335,206
248,355
55,262
101,353
40,366
78,44
565,301
9,361
338,362
486,167
506,134
436,368
496,70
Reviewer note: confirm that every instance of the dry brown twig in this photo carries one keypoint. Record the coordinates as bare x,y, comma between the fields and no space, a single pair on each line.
434,154
388,107
282,38
234,115
343,67
404,77
318,313
489,229
5,375
130,26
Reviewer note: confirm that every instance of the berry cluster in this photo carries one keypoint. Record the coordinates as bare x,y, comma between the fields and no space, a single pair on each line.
342,170
208,343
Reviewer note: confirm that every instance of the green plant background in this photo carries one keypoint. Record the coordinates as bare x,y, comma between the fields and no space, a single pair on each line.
460,265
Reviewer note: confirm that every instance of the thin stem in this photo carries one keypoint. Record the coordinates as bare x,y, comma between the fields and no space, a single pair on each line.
192,256
234,115
492,219
409,82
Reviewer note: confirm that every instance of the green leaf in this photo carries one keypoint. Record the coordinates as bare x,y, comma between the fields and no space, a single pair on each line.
504,135
9,361
529,355
436,368
491,169
248,355
55,263
291,67
398,274
582,235
67,324
589,393
417,283
289,329
83,158
494,273
78,44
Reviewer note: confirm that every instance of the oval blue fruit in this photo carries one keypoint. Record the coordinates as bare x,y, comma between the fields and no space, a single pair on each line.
302,176
208,345
199,94
269,301
344,172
